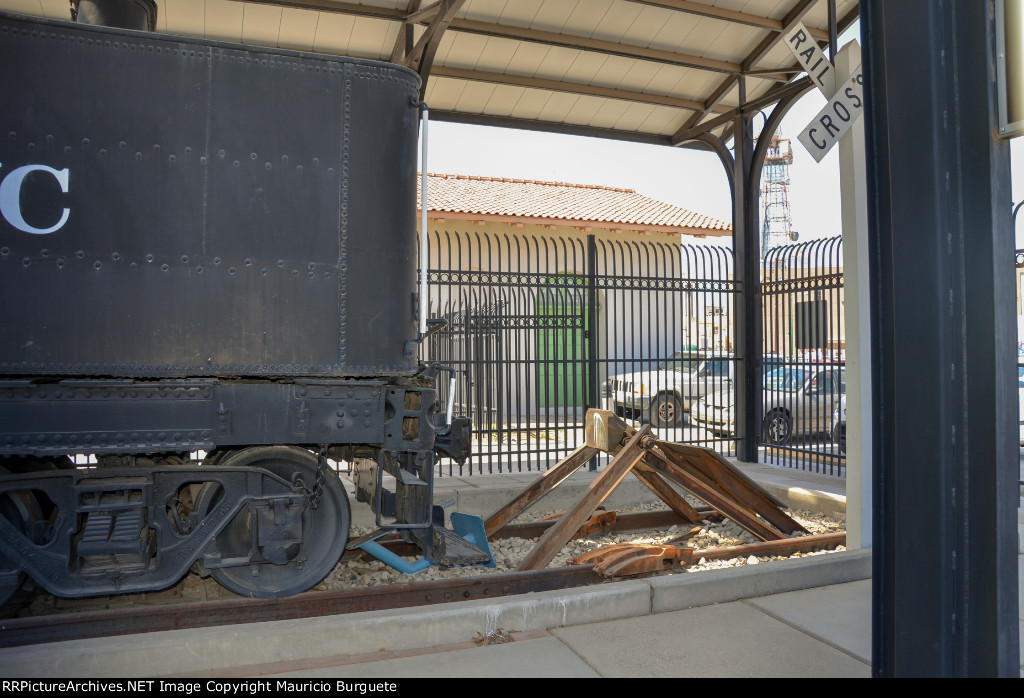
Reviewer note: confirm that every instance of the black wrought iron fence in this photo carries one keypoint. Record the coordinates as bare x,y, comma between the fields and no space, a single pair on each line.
543,327
804,332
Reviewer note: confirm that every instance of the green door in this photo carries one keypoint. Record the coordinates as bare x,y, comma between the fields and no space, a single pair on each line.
562,330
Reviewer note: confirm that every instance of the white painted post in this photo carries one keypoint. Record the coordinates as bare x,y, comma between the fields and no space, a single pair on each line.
853,185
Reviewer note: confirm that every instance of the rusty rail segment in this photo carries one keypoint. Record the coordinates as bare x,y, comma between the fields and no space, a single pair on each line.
630,560
707,475
633,559
787,546
730,508
649,476
721,474
629,521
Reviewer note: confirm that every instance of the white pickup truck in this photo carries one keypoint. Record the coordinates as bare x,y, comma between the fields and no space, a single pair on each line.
664,395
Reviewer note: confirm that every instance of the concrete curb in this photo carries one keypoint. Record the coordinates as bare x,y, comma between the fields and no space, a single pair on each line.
678,592
188,652
826,503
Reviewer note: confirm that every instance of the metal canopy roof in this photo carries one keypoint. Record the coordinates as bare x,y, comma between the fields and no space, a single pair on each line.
654,71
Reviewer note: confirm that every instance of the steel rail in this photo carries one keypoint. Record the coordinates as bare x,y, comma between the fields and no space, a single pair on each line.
18,632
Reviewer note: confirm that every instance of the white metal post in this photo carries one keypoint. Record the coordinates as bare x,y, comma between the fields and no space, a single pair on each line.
857,292
424,240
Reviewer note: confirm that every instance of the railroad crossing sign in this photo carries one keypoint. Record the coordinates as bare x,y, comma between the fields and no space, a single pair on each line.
846,100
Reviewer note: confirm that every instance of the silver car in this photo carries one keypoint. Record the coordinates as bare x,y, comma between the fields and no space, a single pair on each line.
664,395
838,430
1020,401
798,400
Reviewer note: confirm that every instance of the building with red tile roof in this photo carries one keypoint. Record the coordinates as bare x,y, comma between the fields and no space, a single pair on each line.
580,206
534,277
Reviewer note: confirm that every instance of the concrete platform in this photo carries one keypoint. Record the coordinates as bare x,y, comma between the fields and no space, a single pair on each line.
806,617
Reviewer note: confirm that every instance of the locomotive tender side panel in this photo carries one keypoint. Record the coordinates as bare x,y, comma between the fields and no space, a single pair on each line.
230,211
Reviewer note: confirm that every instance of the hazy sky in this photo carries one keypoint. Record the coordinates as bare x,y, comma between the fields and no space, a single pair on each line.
693,180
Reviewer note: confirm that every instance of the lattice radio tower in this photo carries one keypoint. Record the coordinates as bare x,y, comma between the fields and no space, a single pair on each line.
776,219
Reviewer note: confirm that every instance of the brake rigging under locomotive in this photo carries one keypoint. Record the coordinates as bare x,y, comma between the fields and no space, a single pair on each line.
205,248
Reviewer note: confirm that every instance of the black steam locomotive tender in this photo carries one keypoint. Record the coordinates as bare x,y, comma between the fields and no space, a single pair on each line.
205,248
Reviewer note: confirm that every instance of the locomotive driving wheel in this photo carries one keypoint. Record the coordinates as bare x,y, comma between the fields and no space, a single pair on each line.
324,528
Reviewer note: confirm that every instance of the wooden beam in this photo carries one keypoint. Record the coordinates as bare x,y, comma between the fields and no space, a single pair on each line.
794,17
438,19
553,127
426,14
760,51
344,8
753,105
538,488
422,55
555,538
675,501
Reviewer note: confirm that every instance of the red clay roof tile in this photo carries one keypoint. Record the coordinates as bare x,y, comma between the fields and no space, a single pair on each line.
576,203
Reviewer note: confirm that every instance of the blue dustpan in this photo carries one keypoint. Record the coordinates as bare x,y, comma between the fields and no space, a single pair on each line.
467,526
389,558
471,528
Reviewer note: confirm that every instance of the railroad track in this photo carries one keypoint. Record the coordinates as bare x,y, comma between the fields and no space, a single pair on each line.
189,615
231,611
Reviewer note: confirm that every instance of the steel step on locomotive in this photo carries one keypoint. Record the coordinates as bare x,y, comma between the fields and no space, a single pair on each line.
205,248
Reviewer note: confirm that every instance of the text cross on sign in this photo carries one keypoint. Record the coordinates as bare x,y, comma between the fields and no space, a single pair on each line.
835,119
845,105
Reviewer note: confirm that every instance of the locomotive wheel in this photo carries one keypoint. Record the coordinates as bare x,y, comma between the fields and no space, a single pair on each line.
219,455
324,529
21,509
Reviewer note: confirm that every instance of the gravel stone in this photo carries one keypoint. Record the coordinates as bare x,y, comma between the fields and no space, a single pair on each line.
508,553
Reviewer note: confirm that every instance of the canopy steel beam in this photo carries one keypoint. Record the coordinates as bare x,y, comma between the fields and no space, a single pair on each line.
535,83
943,338
440,16
406,35
760,51
433,15
702,10
421,57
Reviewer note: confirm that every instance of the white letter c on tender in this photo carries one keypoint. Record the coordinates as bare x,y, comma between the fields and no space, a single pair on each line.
10,198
